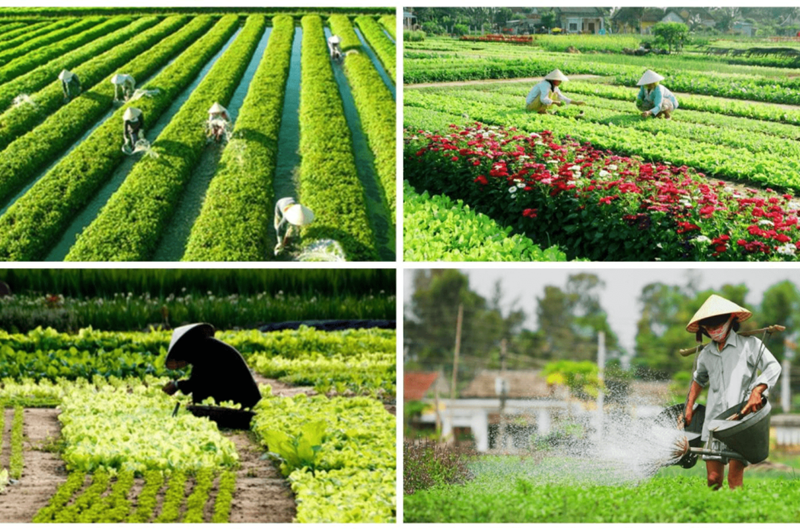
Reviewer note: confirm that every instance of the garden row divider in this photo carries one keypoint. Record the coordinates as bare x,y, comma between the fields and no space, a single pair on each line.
380,43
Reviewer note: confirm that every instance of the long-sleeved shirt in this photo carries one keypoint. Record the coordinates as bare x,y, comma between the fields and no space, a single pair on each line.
727,373
543,89
656,96
280,220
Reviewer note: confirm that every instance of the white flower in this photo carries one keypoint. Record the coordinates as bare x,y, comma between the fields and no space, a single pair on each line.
793,205
612,167
520,185
552,161
659,245
512,190
574,168
498,167
766,222
701,239
787,250
604,173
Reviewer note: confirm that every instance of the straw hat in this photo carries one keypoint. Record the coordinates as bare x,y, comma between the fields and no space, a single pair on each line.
299,215
131,114
216,107
715,306
648,77
179,333
65,75
334,39
556,75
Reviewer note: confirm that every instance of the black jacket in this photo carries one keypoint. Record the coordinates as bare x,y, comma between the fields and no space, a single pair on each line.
218,371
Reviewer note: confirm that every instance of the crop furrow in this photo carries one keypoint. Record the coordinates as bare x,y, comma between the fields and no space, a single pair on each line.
17,460
18,46
383,47
12,29
389,23
130,224
32,223
146,501
62,497
225,491
196,502
173,499
90,496
234,220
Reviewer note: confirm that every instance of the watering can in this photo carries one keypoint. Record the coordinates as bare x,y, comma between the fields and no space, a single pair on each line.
692,432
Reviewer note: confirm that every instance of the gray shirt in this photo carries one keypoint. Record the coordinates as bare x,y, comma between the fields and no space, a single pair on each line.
728,372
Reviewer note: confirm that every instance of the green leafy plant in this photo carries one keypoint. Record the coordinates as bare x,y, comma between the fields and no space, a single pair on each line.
384,48
17,459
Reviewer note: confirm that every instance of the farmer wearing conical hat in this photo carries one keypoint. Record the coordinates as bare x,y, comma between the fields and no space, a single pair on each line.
218,121
654,99
725,366
290,216
124,85
70,84
132,128
546,94
218,369
334,47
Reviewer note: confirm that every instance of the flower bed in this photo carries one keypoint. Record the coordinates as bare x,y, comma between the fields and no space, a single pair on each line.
597,205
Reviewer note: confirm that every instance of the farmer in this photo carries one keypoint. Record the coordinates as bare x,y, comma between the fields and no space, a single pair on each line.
333,45
546,94
727,363
290,215
218,370
124,85
218,121
70,85
654,99
132,128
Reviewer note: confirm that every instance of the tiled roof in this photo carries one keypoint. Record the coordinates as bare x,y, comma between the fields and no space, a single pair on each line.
417,384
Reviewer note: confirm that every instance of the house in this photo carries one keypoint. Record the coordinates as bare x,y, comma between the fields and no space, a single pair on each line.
421,385
785,429
694,17
581,19
650,18
523,384
741,27
409,20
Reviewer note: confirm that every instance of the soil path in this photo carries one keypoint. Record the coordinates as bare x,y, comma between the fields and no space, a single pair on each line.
43,471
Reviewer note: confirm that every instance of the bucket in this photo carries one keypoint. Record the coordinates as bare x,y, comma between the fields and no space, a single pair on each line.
669,418
749,436
225,418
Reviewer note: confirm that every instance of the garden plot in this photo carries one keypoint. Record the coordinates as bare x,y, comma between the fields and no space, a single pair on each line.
66,189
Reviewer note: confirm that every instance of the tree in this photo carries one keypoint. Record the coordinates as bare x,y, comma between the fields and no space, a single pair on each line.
501,17
549,19
460,29
780,305
672,34
582,378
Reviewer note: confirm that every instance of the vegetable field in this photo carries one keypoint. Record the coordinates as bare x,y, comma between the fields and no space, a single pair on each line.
718,181
113,451
69,192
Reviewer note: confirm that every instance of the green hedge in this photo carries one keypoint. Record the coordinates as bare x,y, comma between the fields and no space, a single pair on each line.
130,225
12,29
233,224
384,48
389,23
329,183
31,32
28,228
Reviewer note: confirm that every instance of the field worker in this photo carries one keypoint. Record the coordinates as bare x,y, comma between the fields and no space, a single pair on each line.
218,369
290,216
654,99
333,45
124,85
132,128
726,363
70,84
546,94
218,121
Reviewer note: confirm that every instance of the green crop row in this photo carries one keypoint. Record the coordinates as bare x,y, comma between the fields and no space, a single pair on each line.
328,182
85,501
38,56
222,503
63,495
196,502
14,29
17,462
153,188
46,74
112,508
29,226
384,48
376,109
234,220
20,119
389,22
147,499
339,455
173,499
438,228
29,154
33,34
2,422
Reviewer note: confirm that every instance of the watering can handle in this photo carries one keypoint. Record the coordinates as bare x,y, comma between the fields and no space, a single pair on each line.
769,330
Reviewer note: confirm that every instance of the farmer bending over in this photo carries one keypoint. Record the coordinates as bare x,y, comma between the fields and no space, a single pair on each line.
218,121
132,128
218,370
653,99
333,46
70,85
290,216
546,94
727,363
124,85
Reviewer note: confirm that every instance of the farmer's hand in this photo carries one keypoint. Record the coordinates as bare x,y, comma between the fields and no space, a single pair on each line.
558,103
579,103
754,403
687,415
646,114
170,388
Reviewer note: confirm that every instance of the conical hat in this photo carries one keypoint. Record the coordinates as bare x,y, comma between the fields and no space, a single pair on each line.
118,79
648,77
216,107
65,75
334,39
715,306
556,75
299,215
181,332
131,113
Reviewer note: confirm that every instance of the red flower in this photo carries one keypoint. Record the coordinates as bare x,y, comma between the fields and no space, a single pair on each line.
481,180
529,212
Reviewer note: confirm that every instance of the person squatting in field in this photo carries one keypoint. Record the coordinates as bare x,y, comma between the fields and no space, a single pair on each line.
218,369
546,94
124,86
218,121
132,128
70,85
725,365
290,216
654,99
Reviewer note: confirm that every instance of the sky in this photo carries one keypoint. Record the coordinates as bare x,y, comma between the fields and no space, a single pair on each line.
622,288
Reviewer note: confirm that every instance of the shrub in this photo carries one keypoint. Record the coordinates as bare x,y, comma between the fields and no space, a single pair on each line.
429,464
